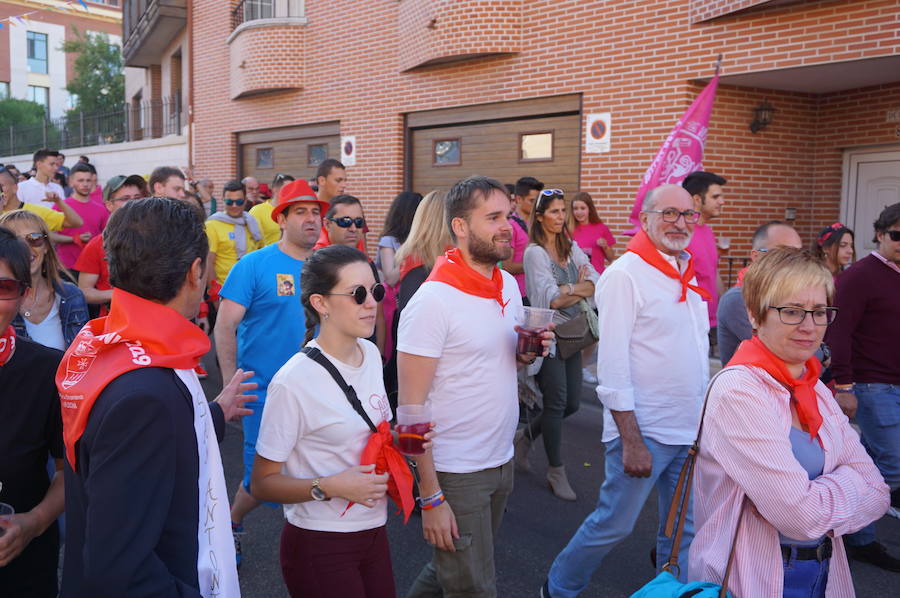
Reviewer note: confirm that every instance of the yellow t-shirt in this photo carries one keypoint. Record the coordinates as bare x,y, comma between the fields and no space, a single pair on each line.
221,242
53,218
270,229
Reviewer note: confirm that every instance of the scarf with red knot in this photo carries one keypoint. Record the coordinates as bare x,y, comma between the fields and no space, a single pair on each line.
381,451
137,333
647,251
451,268
7,344
803,390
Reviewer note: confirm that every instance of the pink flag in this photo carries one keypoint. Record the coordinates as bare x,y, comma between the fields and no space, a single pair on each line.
681,153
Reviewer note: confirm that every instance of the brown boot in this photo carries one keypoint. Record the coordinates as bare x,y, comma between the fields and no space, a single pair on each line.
559,483
522,446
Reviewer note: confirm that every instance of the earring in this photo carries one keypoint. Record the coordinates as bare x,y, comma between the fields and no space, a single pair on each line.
326,316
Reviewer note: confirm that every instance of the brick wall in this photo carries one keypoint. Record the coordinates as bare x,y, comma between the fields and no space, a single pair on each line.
634,59
266,59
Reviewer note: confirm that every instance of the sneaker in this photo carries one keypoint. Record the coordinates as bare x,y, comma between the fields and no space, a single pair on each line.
894,510
876,554
545,589
201,373
237,531
587,377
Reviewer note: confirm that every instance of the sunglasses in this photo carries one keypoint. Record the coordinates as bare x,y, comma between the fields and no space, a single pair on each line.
10,288
347,222
234,202
35,239
549,194
280,178
893,234
360,293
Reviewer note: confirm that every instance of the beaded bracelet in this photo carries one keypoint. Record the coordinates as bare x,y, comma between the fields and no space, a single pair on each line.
436,503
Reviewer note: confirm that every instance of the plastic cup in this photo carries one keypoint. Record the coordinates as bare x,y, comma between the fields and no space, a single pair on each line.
532,325
5,511
413,422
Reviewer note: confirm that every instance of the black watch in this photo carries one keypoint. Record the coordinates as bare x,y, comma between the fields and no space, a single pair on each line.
316,490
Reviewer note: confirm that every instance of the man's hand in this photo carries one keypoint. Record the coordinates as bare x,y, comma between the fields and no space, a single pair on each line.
85,237
847,402
636,459
439,527
20,529
53,197
601,242
232,398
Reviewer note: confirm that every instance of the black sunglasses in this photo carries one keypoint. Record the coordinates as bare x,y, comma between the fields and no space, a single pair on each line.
893,234
35,239
234,202
10,288
360,293
347,222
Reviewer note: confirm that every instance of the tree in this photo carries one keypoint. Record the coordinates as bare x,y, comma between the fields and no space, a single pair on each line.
99,82
20,113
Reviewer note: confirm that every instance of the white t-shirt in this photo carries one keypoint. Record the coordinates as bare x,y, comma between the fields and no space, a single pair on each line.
33,191
474,395
309,425
49,332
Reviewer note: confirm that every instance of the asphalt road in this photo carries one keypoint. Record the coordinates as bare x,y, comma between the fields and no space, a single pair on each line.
536,526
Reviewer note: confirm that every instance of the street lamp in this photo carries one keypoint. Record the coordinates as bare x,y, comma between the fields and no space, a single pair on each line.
762,116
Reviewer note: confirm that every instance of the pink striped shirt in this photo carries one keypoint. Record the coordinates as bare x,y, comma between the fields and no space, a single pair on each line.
745,449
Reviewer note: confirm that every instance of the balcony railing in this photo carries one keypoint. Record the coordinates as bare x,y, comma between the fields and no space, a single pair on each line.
131,122
251,10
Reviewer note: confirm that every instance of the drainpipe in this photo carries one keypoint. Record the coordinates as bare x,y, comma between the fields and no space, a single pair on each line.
190,107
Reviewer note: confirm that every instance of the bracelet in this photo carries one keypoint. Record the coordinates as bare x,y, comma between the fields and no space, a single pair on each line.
436,503
434,496
571,289
844,387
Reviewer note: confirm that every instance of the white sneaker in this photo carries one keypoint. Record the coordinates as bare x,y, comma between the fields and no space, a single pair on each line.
587,377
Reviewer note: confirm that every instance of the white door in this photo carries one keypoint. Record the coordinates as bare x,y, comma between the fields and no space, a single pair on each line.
871,182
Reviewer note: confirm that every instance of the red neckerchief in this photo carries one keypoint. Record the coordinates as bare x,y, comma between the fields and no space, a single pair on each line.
325,241
137,333
409,264
381,451
754,352
740,276
7,345
647,251
451,268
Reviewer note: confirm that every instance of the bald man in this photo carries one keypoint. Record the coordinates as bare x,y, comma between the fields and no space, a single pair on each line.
251,188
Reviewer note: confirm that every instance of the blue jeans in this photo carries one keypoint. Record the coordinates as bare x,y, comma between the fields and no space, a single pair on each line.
878,416
620,502
805,579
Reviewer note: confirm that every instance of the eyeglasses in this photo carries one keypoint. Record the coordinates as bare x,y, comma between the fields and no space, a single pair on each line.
347,222
234,202
360,293
10,288
35,239
672,215
793,316
893,234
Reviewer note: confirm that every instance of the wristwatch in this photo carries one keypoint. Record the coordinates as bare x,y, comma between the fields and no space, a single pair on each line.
316,490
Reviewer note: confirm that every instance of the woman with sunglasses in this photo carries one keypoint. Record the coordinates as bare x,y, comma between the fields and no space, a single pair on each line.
779,464
311,440
53,310
30,432
834,247
558,276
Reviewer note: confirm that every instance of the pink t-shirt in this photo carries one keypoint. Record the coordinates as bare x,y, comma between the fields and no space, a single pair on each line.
94,215
519,243
706,260
586,236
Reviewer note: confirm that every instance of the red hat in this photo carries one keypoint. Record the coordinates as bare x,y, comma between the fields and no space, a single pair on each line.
264,191
296,192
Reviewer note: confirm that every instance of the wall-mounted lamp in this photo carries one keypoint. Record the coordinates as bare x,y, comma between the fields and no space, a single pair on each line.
762,116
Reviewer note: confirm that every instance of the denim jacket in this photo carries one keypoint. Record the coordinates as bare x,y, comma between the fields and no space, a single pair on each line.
73,312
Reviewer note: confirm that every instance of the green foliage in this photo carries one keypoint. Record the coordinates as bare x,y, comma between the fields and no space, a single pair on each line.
19,112
99,81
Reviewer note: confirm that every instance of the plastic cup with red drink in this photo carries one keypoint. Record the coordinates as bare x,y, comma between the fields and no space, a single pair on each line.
533,323
413,422
6,511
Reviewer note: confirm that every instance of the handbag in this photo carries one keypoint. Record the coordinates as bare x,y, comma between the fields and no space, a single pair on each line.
666,584
574,334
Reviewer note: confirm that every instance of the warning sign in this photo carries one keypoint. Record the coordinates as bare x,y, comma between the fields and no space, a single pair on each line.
597,133
348,150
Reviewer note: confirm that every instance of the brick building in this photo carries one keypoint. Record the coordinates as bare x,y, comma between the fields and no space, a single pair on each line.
434,91
33,67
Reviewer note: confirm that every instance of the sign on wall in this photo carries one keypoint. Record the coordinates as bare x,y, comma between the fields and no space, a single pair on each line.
597,133
348,150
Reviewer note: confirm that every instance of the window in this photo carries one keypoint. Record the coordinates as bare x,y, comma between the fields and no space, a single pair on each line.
4,90
37,52
536,147
250,10
316,154
446,152
265,157
40,95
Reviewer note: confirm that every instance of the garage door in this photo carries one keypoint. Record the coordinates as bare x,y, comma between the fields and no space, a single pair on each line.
545,146
291,150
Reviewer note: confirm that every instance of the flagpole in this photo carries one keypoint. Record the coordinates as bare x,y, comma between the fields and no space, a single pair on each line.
718,64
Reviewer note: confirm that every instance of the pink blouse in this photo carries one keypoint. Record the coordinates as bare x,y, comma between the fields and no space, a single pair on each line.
586,236
745,449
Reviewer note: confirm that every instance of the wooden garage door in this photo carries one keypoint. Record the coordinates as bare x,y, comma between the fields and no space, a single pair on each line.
296,151
494,149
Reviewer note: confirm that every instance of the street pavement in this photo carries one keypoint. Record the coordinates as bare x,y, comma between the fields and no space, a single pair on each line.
535,528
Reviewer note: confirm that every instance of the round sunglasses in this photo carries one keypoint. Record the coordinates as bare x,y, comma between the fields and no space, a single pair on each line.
360,293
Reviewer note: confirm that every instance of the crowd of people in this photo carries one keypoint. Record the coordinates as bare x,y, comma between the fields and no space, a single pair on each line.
109,298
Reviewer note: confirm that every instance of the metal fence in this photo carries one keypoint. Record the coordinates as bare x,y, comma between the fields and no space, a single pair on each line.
131,122
250,10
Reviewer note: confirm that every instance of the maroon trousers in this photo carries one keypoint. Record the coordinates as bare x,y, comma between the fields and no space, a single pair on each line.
336,564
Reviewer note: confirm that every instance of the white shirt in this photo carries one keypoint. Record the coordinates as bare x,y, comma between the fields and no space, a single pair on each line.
49,332
474,395
653,355
309,425
33,191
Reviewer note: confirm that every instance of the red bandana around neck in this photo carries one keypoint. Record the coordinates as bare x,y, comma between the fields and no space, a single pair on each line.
409,264
137,333
451,268
740,276
754,352
7,344
325,241
647,251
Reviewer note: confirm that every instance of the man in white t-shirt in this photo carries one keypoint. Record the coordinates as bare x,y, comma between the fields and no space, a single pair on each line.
40,189
457,353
